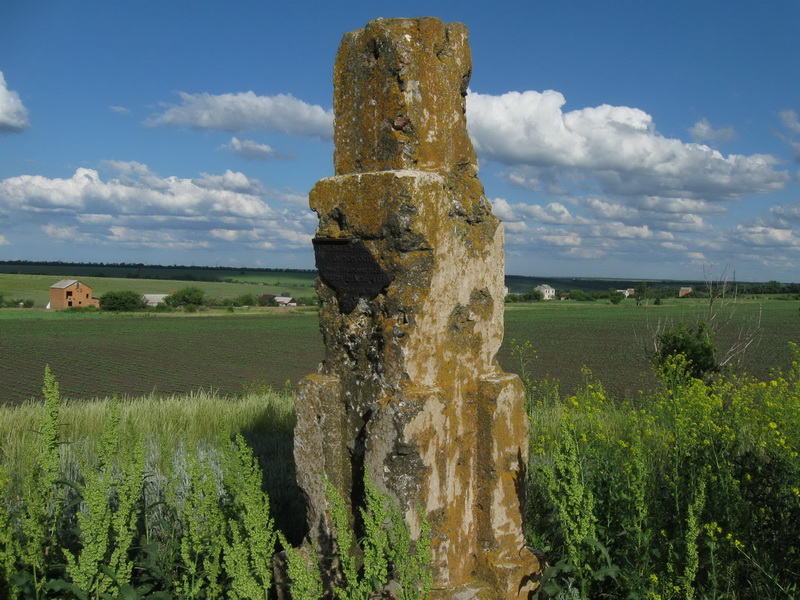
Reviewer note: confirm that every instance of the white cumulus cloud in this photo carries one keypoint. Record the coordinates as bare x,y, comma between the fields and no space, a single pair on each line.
768,236
790,120
135,191
126,203
788,214
13,114
703,131
250,149
616,230
617,146
246,110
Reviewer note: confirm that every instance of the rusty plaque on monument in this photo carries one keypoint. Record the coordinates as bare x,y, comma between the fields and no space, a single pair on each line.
349,268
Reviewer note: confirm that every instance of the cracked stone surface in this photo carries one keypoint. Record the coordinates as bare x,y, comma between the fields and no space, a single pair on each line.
409,390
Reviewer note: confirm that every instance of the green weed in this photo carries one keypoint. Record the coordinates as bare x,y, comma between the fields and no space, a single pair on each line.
691,491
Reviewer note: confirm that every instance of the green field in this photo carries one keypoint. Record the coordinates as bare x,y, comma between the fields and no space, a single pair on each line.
290,277
612,340
100,354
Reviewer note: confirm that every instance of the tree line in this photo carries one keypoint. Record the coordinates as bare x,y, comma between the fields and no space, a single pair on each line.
643,292
189,298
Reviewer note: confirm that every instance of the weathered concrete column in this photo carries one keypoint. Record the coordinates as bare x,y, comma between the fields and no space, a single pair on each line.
411,283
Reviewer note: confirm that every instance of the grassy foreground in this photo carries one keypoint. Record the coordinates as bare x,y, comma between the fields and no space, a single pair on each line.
689,491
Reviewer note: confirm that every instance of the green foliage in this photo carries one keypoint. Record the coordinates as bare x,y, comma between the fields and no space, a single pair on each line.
40,516
186,297
642,293
122,301
241,300
250,544
695,344
355,588
202,535
305,579
16,303
616,297
579,295
532,295
246,300
149,506
411,559
110,509
9,545
87,524
692,491
386,551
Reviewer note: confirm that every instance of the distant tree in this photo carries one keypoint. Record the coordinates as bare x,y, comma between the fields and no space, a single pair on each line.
664,292
306,300
265,300
772,287
616,297
189,297
695,344
245,300
578,295
534,296
641,293
122,301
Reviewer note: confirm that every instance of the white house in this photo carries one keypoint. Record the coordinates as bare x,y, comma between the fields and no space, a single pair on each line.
285,301
548,293
154,299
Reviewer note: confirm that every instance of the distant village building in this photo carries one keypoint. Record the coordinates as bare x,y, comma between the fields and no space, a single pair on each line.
684,291
154,299
548,293
69,293
285,301
628,292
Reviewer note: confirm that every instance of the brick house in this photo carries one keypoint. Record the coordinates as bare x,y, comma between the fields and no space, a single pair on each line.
71,293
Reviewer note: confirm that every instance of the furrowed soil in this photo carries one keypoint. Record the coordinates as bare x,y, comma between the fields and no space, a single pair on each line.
139,354
99,355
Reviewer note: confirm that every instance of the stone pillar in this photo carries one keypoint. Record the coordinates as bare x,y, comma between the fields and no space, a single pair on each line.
411,284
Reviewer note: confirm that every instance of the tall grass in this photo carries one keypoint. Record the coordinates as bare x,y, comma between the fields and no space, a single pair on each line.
167,498
142,495
263,415
690,491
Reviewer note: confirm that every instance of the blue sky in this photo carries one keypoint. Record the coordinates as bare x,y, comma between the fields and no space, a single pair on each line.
616,139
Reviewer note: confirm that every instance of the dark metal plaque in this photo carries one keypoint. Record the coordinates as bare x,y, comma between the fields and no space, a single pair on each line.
349,268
